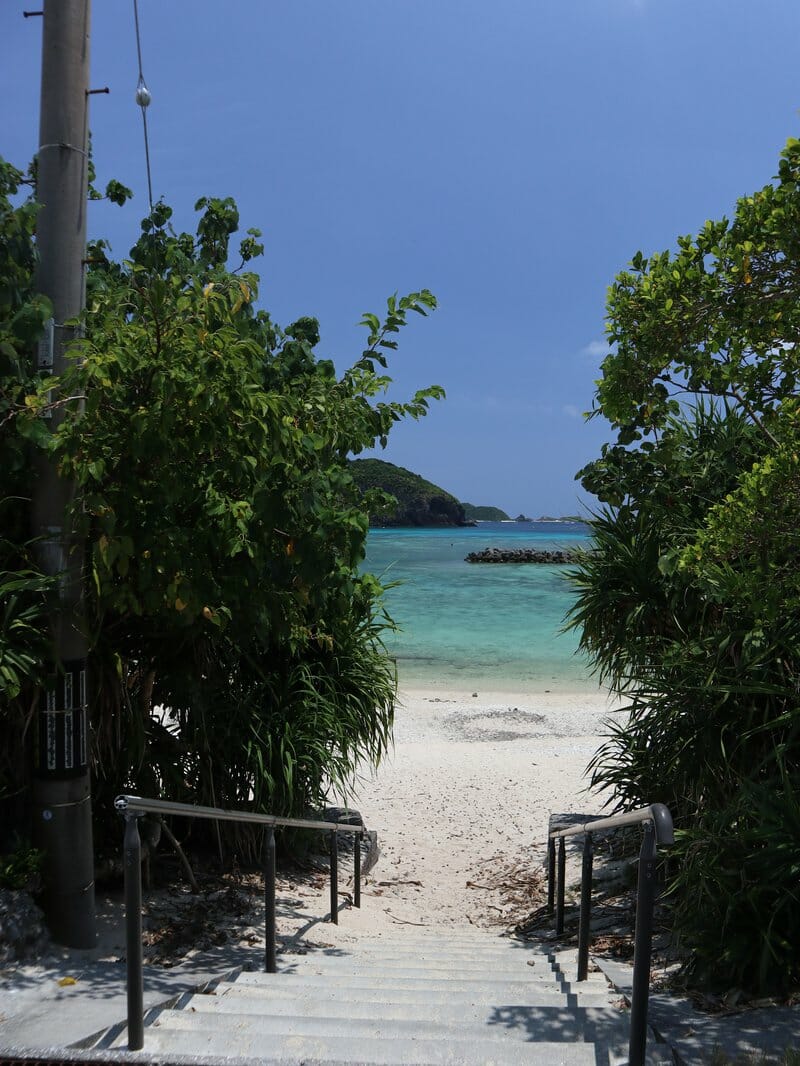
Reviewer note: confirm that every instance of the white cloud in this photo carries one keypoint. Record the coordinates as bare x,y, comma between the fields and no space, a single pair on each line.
571,410
596,349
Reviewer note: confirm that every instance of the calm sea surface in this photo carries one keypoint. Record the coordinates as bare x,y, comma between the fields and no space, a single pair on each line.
466,625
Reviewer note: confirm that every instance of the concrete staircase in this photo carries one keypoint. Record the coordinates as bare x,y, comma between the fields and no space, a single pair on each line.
406,999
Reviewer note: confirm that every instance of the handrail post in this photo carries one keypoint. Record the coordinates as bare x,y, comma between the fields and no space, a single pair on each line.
132,865
562,873
640,991
586,908
270,964
357,870
334,878
551,874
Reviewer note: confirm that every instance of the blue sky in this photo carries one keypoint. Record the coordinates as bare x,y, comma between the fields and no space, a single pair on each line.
510,156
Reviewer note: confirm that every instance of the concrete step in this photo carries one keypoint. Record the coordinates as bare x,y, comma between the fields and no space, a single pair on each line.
430,947
428,953
408,968
420,995
504,1024
547,1013
431,1006
477,987
525,965
466,946
440,935
405,1000
570,980
375,1050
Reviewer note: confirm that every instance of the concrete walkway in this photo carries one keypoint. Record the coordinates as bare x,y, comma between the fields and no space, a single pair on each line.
410,997
70,997
694,1035
66,1002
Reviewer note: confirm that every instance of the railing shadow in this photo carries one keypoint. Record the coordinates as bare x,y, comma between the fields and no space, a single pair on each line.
570,1024
287,943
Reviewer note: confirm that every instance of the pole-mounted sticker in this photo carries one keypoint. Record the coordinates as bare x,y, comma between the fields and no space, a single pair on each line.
62,749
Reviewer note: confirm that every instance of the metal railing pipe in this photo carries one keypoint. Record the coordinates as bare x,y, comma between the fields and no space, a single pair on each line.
561,874
132,865
551,874
586,909
656,813
270,962
134,807
656,821
643,946
190,810
334,864
357,871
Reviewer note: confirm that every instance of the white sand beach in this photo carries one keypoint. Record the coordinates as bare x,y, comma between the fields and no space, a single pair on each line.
461,810
461,805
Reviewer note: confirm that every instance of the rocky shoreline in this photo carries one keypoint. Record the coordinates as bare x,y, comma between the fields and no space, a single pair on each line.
557,557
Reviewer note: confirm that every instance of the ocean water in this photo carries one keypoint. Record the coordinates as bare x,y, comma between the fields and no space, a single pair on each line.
470,625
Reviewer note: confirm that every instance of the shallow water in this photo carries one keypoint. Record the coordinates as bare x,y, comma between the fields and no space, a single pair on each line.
463,625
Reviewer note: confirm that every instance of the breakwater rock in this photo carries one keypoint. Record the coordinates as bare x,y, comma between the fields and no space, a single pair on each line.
557,557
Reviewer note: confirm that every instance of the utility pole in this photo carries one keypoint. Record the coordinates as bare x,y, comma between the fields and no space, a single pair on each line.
62,809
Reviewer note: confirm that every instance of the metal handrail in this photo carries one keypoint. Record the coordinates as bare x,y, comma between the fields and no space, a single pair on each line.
135,807
152,806
656,821
657,813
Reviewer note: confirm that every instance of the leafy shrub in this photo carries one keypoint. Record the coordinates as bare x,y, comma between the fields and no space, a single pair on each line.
21,868
236,653
689,604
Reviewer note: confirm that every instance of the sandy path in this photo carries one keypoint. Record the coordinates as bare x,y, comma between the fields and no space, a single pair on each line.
461,808
465,797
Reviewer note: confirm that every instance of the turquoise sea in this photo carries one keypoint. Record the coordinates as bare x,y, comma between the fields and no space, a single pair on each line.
467,625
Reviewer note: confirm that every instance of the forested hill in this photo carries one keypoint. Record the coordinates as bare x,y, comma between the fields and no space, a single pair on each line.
420,502
484,514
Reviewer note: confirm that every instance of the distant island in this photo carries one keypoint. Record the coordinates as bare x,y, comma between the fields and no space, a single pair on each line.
419,502
484,514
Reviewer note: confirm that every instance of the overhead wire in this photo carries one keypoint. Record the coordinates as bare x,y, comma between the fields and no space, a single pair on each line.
143,99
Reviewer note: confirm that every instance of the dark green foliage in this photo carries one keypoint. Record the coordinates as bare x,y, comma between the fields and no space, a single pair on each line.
22,587
23,648
484,514
223,529
688,604
22,317
22,640
20,867
741,866
412,501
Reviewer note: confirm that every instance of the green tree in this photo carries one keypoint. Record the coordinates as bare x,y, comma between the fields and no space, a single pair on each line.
22,588
688,604
224,531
